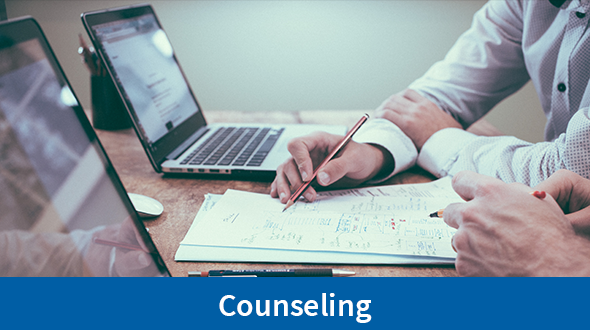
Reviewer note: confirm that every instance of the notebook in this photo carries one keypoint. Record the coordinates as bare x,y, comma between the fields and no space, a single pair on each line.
64,209
165,113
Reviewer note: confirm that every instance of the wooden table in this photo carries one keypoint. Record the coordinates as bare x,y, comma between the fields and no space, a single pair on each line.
182,196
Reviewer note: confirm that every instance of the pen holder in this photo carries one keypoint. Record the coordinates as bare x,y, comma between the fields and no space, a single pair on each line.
108,110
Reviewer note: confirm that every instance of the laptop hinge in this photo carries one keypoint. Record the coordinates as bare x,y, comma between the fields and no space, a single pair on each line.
187,143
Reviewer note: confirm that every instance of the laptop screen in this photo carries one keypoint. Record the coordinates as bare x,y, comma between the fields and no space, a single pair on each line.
142,62
64,210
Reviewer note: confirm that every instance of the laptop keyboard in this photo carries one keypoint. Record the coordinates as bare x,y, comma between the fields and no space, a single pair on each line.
231,146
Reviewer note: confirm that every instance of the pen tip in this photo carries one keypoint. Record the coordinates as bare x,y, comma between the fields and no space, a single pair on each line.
289,203
437,214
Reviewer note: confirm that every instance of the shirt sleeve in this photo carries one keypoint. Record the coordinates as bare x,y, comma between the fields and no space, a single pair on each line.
512,160
24,253
484,66
386,134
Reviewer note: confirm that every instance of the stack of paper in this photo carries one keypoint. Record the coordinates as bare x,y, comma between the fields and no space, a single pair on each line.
377,225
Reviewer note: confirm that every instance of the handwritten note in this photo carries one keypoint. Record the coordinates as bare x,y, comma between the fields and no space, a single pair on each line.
385,220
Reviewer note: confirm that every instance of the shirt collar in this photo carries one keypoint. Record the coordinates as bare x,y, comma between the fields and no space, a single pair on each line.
557,3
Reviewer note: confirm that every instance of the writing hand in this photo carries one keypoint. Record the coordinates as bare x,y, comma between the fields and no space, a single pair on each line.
415,115
131,262
356,163
126,262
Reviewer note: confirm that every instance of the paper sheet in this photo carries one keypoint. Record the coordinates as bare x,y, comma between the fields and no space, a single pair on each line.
387,220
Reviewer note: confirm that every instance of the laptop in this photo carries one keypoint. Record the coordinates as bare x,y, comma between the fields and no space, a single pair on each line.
64,209
164,111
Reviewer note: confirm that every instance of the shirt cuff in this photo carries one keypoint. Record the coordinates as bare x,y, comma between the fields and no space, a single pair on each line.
441,150
384,133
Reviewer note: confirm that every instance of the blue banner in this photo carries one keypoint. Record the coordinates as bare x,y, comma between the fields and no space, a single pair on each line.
292,303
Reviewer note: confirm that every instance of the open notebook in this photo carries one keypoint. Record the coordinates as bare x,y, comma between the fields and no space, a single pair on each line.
375,225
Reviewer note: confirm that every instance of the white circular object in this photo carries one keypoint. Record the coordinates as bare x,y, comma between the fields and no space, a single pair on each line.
146,207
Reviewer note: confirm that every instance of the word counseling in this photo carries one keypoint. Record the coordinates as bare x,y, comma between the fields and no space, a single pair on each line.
329,307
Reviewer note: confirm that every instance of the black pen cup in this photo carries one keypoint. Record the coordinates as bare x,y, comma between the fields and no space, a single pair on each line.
108,110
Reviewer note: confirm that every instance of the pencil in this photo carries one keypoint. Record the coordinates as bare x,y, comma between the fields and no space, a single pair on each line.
339,147
118,244
536,193
87,56
437,214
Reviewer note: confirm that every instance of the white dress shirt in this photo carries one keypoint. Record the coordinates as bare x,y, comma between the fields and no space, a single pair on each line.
24,253
508,43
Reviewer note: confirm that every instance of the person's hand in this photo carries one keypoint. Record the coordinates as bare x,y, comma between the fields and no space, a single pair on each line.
353,165
99,258
505,231
415,115
572,193
131,263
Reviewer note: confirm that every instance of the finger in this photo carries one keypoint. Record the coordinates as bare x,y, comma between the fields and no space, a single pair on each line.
413,96
580,220
397,103
460,241
129,233
279,181
468,184
357,162
463,184
283,185
570,190
294,178
453,214
387,100
391,115
310,194
300,149
559,185
273,189
134,263
335,170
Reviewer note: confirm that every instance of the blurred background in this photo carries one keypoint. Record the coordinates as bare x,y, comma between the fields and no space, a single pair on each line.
294,55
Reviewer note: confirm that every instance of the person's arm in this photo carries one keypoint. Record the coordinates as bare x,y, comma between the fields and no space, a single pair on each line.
484,66
508,158
24,253
503,230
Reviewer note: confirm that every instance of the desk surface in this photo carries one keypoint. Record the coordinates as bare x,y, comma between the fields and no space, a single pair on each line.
182,197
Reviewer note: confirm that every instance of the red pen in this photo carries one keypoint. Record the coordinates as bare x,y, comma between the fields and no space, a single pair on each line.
118,244
339,147
538,194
